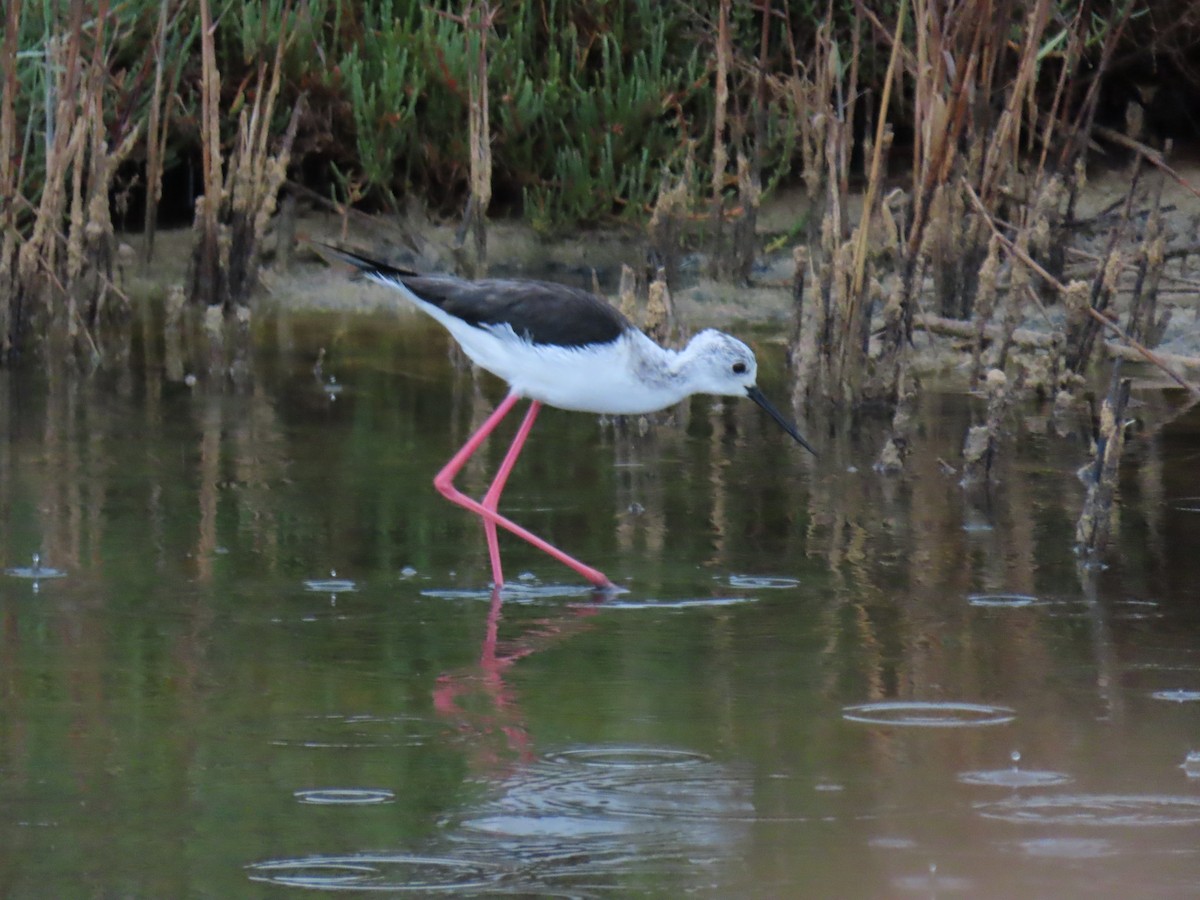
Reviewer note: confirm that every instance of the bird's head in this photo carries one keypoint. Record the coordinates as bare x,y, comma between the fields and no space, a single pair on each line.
718,363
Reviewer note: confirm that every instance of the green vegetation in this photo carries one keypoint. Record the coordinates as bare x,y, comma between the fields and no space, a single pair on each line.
584,114
591,111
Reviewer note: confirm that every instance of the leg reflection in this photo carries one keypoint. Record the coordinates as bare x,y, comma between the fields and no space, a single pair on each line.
481,705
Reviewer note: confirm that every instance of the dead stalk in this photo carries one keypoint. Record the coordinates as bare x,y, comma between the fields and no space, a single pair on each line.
477,20
206,280
60,283
1147,354
1004,145
720,160
9,181
480,133
1151,257
1152,156
853,313
157,127
232,217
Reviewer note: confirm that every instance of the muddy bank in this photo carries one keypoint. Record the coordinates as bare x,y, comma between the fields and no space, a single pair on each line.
592,258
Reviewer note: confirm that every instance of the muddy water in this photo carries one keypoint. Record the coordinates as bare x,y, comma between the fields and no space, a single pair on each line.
270,662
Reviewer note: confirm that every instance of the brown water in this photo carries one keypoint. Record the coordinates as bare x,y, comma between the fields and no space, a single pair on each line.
820,682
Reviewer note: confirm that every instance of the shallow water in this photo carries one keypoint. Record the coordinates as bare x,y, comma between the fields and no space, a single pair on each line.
272,663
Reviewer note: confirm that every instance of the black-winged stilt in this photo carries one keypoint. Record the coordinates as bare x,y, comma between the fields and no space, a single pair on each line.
564,347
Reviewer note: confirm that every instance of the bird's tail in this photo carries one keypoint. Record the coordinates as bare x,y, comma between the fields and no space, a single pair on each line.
364,264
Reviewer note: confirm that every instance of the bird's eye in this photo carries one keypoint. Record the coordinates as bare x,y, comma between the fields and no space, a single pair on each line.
739,368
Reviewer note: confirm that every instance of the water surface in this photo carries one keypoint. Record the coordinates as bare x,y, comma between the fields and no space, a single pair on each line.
273,663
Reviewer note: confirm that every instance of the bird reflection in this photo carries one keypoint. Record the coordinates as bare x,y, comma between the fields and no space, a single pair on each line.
478,702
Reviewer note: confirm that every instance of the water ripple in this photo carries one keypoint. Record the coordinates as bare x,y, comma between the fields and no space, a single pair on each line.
763,582
580,817
627,757
1002,600
1177,696
929,714
357,731
394,872
1014,778
1067,848
1095,809
517,592
934,885
345,796
330,585
685,603
610,789
36,571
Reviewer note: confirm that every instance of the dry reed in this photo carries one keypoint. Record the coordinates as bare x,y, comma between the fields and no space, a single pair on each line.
10,180
720,154
232,216
60,281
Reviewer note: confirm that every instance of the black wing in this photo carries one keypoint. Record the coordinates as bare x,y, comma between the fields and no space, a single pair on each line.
539,311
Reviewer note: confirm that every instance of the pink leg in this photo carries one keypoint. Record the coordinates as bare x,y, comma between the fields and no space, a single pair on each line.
444,482
491,499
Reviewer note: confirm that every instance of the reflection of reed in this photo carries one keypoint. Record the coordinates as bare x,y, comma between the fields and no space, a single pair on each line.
84,445
641,522
8,427
476,474
1104,655
1153,500
718,460
468,400
905,553
899,627
259,458
73,489
208,474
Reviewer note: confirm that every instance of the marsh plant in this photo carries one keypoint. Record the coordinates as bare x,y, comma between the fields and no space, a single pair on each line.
64,132
940,146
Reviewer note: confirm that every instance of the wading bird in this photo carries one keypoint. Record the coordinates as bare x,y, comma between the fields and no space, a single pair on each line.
564,347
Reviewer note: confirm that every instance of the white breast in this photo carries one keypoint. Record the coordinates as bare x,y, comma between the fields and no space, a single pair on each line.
628,376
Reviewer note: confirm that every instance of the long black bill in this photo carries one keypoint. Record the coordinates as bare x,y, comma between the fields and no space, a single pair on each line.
757,396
